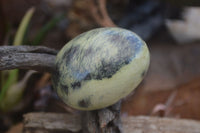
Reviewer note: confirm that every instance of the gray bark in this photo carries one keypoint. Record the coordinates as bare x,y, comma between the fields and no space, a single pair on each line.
70,123
26,57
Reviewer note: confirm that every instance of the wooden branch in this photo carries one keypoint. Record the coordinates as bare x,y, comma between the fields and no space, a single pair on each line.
142,124
107,20
27,57
105,120
52,122
100,14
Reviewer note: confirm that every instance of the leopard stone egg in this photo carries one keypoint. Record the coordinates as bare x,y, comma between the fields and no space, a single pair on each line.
99,67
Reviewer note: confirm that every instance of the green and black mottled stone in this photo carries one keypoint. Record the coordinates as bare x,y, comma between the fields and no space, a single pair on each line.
99,67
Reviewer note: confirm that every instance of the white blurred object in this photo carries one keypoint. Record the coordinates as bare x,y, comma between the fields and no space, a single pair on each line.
187,30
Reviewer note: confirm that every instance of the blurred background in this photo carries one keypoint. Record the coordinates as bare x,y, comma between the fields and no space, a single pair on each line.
170,28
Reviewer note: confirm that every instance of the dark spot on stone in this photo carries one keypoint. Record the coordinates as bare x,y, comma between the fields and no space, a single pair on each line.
84,103
70,53
136,43
115,38
106,70
98,77
109,76
126,62
131,39
88,77
143,74
64,88
76,85
55,78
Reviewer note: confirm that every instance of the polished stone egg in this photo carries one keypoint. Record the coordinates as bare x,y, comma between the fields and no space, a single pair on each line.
99,67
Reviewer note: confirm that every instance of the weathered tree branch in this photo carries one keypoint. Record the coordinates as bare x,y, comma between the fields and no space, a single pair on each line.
105,120
52,122
27,57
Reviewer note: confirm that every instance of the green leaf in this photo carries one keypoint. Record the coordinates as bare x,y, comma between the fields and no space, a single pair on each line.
45,29
23,27
12,78
14,94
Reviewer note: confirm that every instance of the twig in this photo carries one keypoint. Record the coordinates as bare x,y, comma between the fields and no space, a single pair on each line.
52,122
166,108
100,14
105,120
27,57
106,18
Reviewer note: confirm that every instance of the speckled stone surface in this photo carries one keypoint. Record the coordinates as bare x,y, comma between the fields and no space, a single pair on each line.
99,67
